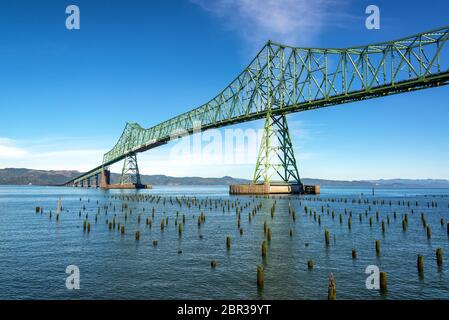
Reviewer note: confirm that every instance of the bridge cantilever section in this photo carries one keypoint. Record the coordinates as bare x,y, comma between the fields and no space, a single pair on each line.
283,79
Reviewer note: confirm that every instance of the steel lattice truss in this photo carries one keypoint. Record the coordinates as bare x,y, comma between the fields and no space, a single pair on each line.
130,172
276,158
283,79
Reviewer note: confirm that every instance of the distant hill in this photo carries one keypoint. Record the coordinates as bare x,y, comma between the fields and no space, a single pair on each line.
382,183
19,176
14,176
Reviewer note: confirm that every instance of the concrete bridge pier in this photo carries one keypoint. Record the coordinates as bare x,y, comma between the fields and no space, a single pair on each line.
105,178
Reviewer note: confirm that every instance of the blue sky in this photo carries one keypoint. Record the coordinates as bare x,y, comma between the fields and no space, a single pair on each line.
65,96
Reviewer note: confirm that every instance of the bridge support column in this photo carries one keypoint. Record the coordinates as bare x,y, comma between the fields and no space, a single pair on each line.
276,161
105,178
276,171
130,171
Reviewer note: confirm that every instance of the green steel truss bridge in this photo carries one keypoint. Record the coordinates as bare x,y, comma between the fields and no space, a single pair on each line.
282,79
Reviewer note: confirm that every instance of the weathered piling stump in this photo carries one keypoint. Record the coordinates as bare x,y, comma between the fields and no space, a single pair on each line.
332,290
428,232
310,264
213,264
260,277
327,237
354,254
269,234
383,281
123,229
137,235
228,242
180,229
264,249
420,264
377,247
439,254
154,243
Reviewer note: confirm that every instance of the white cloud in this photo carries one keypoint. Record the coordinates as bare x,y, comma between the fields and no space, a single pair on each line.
9,149
293,22
49,154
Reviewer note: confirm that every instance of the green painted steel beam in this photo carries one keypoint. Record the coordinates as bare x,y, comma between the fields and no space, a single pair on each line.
283,79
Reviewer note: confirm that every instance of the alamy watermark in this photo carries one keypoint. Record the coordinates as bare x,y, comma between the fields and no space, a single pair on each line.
372,22
228,146
72,282
73,21
373,280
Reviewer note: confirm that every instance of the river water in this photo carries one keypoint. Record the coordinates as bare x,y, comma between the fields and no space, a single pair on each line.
35,250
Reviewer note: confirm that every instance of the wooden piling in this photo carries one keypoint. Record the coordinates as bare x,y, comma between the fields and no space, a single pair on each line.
383,281
260,277
264,249
228,242
180,229
332,290
420,263
439,254
310,264
377,247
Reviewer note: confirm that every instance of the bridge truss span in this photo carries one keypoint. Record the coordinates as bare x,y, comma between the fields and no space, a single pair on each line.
283,79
